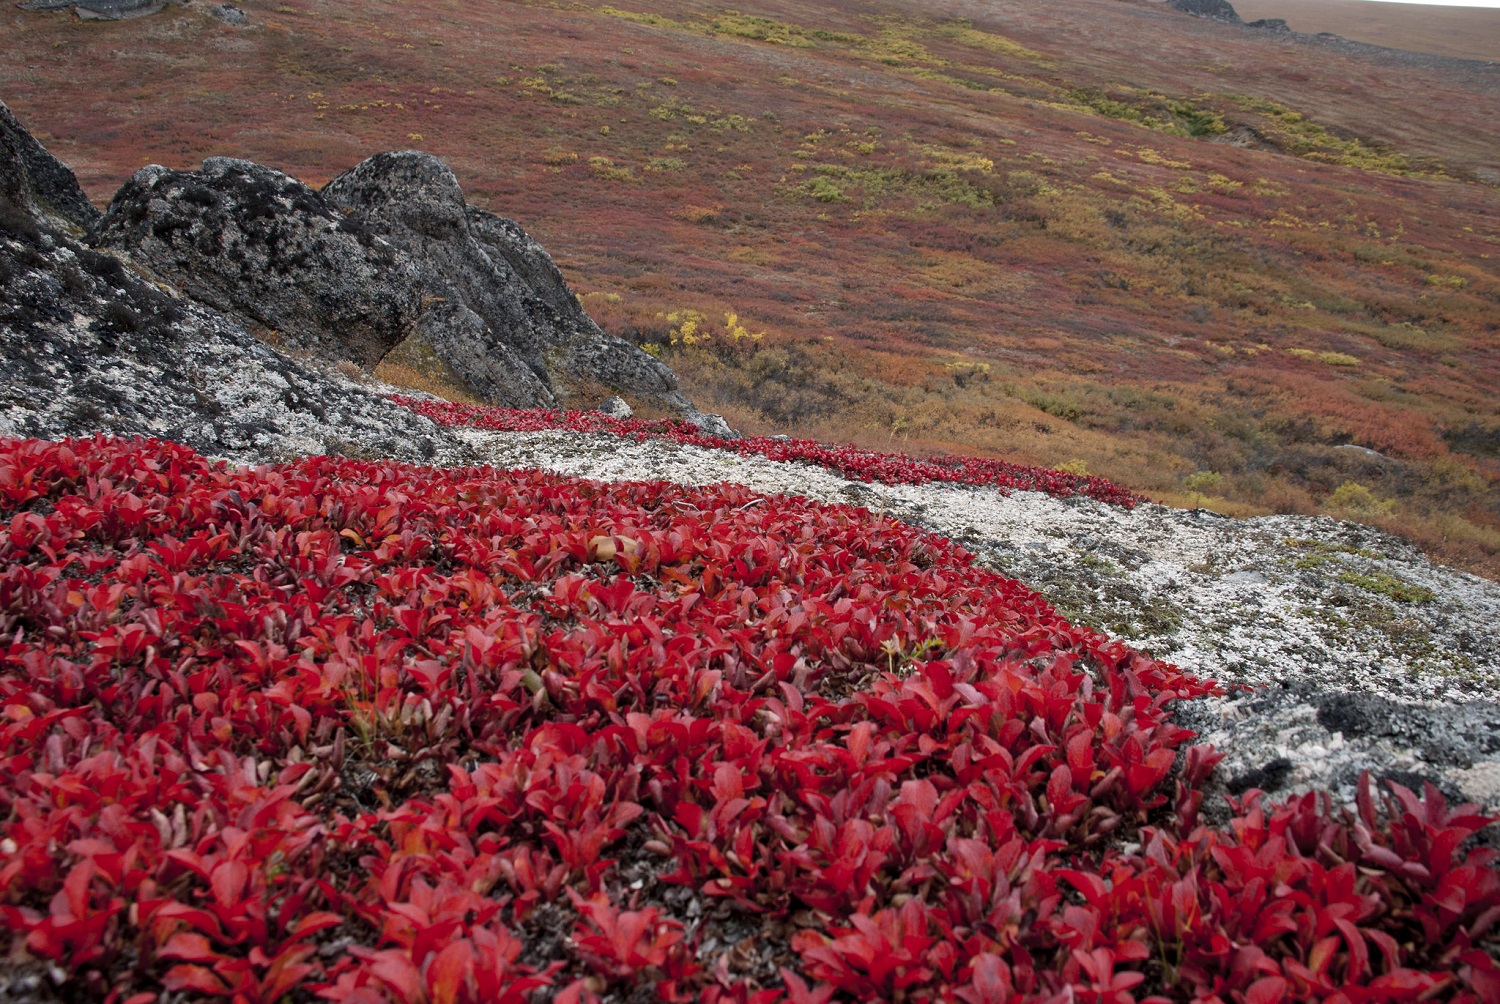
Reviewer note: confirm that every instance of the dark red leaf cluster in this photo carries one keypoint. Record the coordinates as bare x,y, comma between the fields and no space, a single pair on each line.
355,727
850,461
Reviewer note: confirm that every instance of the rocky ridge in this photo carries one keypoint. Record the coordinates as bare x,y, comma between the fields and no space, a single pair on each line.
500,312
1477,72
88,344
388,253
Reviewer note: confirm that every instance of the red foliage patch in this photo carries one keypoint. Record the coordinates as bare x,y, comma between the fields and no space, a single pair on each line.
850,461
354,727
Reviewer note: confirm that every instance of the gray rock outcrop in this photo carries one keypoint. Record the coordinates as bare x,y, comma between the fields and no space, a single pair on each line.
229,14
1219,10
505,318
87,345
37,183
257,244
388,250
99,10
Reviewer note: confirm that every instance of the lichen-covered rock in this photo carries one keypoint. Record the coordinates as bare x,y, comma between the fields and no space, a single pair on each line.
387,250
615,407
99,10
492,369
1219,10
229,14
87,346
255,243
480,267
36,183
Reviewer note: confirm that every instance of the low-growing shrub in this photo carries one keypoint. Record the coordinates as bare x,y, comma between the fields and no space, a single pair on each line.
380,732
371,732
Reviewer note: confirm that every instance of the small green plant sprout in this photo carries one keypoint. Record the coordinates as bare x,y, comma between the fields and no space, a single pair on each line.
898,657
1353,499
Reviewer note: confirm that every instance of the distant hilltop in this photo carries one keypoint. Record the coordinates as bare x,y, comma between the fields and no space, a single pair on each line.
1222,10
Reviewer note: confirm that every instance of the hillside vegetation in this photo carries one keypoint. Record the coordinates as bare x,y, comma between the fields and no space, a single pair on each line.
1199,261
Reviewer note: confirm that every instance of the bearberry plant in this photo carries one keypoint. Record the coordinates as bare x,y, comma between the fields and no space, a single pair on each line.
359,731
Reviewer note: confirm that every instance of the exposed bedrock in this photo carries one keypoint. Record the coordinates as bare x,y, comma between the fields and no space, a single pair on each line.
88,345
388,250
497,297
1219,10
37,183
261,246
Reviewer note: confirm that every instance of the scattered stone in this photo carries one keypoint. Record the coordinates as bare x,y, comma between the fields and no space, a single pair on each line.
711,425
229,14
1275,24
1268,777
1218,10
615,407
1363,451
